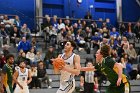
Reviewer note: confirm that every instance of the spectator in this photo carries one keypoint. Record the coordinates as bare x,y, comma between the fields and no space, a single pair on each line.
105,33
123,61
132,54
50,54
6,50
122,28
38,57
104,42
112,42
95,40
17,22
21,58
31,55
15,36
4,36
34,82
88,16
61,25
42,74
25,31
125,41
24,45
47,22
67,24
55,23
7,23
114,33
94,27
137,30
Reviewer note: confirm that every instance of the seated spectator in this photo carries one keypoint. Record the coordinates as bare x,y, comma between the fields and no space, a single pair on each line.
137,30
25,31
7,23
88,15
15,36
114,33
95,40
34,44
52,36
22,57
31,55
61,25
55,23
80,39
129,67
38,57
130,30
122,28
34,82
132,54
17,22
112,42
104,42
6,50
50,54
42,74
105,33
4,36
24,45
125,41
123,61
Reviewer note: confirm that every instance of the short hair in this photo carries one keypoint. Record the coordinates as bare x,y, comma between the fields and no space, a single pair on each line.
73,44
105,50
8,56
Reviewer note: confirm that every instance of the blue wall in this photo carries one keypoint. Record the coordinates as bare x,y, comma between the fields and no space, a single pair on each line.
101,8
23,8
130,10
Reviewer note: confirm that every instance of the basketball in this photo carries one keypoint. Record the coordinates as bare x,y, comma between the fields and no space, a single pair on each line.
57,63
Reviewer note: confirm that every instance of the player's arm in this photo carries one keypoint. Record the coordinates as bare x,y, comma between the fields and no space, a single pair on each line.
119,67
29,76
3,76
88,68
77,66
15,75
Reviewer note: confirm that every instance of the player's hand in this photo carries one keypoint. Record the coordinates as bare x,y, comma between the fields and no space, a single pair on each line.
119,81
21,86
61,67
28,82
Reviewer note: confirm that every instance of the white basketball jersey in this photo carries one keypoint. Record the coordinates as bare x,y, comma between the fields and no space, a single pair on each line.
22,77
66,76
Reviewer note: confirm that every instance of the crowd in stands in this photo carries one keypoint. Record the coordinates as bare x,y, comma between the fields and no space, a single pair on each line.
87,34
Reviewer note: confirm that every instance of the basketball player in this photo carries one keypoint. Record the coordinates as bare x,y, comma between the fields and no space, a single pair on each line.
112,70
21,78
72,68
7,72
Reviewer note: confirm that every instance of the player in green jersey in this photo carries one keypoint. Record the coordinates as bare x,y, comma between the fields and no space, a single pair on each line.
7,73
112,70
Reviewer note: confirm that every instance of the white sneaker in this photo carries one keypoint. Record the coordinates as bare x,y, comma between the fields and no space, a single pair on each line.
49,87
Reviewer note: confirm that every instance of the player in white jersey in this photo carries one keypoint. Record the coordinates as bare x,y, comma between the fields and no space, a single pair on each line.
21,78
72,68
